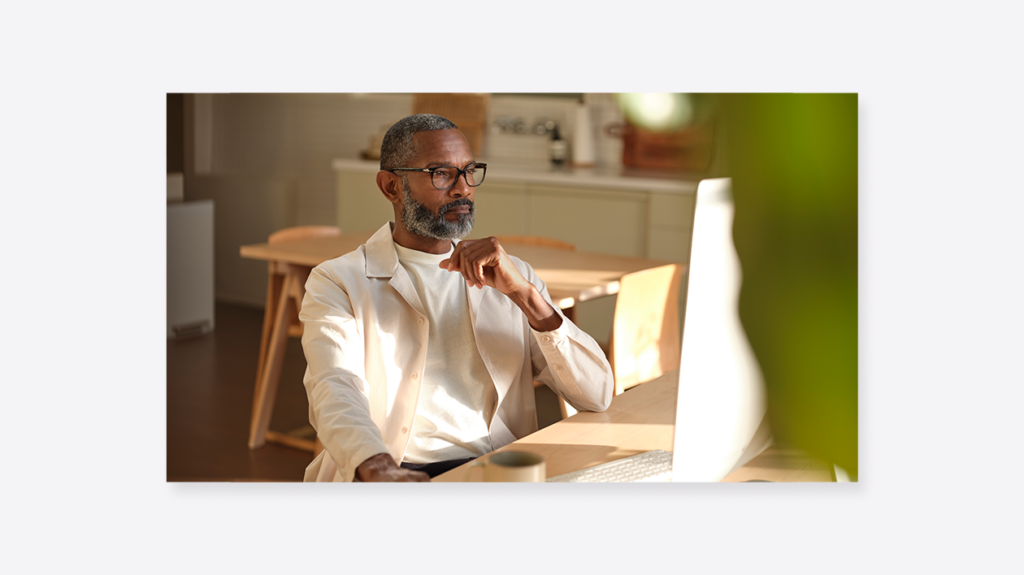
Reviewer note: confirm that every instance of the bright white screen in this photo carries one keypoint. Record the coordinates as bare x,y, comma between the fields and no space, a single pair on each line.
721,399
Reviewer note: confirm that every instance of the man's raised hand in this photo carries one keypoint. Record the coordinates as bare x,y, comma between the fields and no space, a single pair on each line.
485,262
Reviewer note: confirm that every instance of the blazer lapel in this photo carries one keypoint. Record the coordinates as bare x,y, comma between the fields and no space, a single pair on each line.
382,262
501,345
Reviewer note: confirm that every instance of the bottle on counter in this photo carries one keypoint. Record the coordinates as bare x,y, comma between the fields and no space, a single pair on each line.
558,147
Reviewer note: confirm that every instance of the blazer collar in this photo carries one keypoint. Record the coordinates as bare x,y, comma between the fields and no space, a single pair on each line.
381,256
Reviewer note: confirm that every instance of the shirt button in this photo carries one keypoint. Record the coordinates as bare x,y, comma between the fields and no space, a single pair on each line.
415,375
558,367
546,339
420,321
405,430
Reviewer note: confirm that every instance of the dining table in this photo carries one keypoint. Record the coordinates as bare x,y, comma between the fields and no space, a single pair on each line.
639,420
571,277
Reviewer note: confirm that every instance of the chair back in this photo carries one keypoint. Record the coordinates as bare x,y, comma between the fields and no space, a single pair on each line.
303,232
537,241
645,330
296,291
565,409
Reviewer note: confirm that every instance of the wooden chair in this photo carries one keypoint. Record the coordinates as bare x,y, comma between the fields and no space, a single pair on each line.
290,235
644,342
282,298
537,241
296,233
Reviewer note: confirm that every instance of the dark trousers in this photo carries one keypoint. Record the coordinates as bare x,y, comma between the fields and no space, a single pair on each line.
438,467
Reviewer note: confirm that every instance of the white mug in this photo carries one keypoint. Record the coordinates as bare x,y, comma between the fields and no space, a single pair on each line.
511,466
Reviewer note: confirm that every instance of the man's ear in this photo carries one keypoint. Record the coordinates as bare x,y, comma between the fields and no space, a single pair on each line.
390,185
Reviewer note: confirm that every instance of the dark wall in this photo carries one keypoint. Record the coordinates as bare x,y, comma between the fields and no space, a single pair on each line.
175,133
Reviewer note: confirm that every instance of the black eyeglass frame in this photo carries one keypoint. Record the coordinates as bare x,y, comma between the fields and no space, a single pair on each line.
462,174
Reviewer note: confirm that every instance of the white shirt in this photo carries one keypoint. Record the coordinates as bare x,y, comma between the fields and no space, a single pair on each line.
456,395
365,339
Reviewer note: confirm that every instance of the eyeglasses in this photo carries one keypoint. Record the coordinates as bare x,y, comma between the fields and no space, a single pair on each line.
445,177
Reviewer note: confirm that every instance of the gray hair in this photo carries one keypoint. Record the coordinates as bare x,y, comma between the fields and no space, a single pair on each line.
397,149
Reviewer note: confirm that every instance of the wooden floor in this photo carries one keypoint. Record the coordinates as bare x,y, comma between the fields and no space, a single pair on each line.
210,382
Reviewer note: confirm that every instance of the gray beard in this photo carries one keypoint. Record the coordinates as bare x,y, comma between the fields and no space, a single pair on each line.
420,221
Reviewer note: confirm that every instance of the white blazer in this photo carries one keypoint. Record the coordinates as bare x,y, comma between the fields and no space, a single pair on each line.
365,341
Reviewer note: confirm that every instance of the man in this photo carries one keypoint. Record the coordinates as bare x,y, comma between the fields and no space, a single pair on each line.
422,349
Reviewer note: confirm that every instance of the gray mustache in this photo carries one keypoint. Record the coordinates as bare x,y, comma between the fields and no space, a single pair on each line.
455,204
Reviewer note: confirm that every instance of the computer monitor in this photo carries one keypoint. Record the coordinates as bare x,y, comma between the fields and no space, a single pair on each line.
721,407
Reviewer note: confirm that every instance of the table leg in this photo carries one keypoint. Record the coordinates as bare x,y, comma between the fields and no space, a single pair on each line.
266,387
275,282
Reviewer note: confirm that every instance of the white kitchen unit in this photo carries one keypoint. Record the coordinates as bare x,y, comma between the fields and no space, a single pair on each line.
189,268
615,211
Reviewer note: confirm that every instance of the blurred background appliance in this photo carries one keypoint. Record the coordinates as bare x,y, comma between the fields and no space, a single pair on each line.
189,263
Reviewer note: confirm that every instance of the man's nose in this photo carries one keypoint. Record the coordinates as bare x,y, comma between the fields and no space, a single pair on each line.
461,187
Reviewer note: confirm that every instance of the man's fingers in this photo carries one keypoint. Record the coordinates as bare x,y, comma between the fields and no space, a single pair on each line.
452,263
465,266
476,258
480,273
470,262
471,258
411,476
454,260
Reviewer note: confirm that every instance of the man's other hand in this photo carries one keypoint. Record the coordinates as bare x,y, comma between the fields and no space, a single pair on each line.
382,467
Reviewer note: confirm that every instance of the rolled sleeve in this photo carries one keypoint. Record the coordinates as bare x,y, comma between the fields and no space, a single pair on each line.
570,362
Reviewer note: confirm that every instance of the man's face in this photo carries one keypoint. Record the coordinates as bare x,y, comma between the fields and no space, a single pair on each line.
427,211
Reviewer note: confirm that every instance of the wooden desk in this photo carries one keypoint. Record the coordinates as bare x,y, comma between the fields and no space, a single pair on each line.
570,276
639,420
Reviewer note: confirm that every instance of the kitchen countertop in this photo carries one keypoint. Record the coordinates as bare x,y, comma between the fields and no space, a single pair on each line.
617,178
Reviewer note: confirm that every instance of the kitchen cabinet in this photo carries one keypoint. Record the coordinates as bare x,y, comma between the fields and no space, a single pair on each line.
598,211
501,208
612,211
360,205
670,228
611,222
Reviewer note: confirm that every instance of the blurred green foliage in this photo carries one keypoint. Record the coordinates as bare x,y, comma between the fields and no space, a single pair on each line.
793,163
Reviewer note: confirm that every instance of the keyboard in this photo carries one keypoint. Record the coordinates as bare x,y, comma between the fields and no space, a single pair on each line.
651,466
